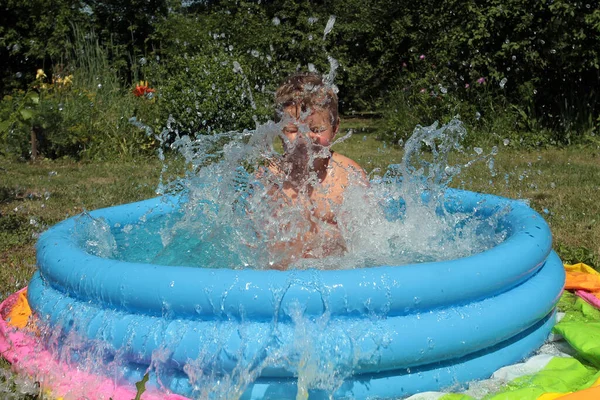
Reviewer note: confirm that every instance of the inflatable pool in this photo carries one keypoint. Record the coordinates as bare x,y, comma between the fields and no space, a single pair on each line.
386,331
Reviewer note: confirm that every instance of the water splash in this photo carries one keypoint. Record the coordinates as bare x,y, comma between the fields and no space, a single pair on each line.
236,215
95,235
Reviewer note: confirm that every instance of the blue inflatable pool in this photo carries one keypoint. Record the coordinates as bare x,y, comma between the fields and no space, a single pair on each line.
388,331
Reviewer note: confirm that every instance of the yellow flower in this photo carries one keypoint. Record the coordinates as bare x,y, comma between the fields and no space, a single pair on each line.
63,82
40,74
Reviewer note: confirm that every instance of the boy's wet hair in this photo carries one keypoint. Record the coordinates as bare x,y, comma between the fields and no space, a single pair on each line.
308,90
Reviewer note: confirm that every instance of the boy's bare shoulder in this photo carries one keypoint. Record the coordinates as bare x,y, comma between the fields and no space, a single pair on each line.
348,164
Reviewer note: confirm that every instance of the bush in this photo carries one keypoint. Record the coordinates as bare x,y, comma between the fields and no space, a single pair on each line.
205,93
81,110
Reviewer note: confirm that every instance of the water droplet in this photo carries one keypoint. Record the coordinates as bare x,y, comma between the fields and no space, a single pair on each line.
478,150
491,165
276,21
553,185
143,61
477,115
364,138
449,170
329,26
430,343
553,51
506,142
172,284
503,83
546,211
514,58
237,67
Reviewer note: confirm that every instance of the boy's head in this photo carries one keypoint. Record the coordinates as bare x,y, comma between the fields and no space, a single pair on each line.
304,99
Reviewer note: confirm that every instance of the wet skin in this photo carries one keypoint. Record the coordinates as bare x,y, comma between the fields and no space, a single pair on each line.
314,179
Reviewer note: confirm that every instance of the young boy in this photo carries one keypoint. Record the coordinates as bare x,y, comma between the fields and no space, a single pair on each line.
312,177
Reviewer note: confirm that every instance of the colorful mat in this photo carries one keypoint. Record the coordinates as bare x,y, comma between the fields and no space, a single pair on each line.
57,380
567,368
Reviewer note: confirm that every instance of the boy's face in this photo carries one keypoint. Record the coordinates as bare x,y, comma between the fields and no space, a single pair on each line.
314,124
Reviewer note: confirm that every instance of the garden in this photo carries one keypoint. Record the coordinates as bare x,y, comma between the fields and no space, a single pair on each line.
93,94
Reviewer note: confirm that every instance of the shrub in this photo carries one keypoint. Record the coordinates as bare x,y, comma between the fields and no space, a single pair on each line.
204,93
82,110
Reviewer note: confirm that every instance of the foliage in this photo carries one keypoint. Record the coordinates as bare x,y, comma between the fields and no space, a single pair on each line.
128,27
540,63
33,34
268,42
82,115
201,93
547,52
141,386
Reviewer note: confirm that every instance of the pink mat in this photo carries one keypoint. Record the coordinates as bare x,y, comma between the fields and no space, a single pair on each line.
20,349
590,298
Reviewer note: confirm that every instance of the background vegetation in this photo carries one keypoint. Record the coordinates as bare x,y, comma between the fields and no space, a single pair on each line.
520,69
96,81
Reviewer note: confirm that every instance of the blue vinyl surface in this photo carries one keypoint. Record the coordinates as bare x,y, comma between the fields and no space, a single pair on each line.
473,315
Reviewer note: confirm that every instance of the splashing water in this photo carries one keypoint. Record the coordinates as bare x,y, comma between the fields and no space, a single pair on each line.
237,216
